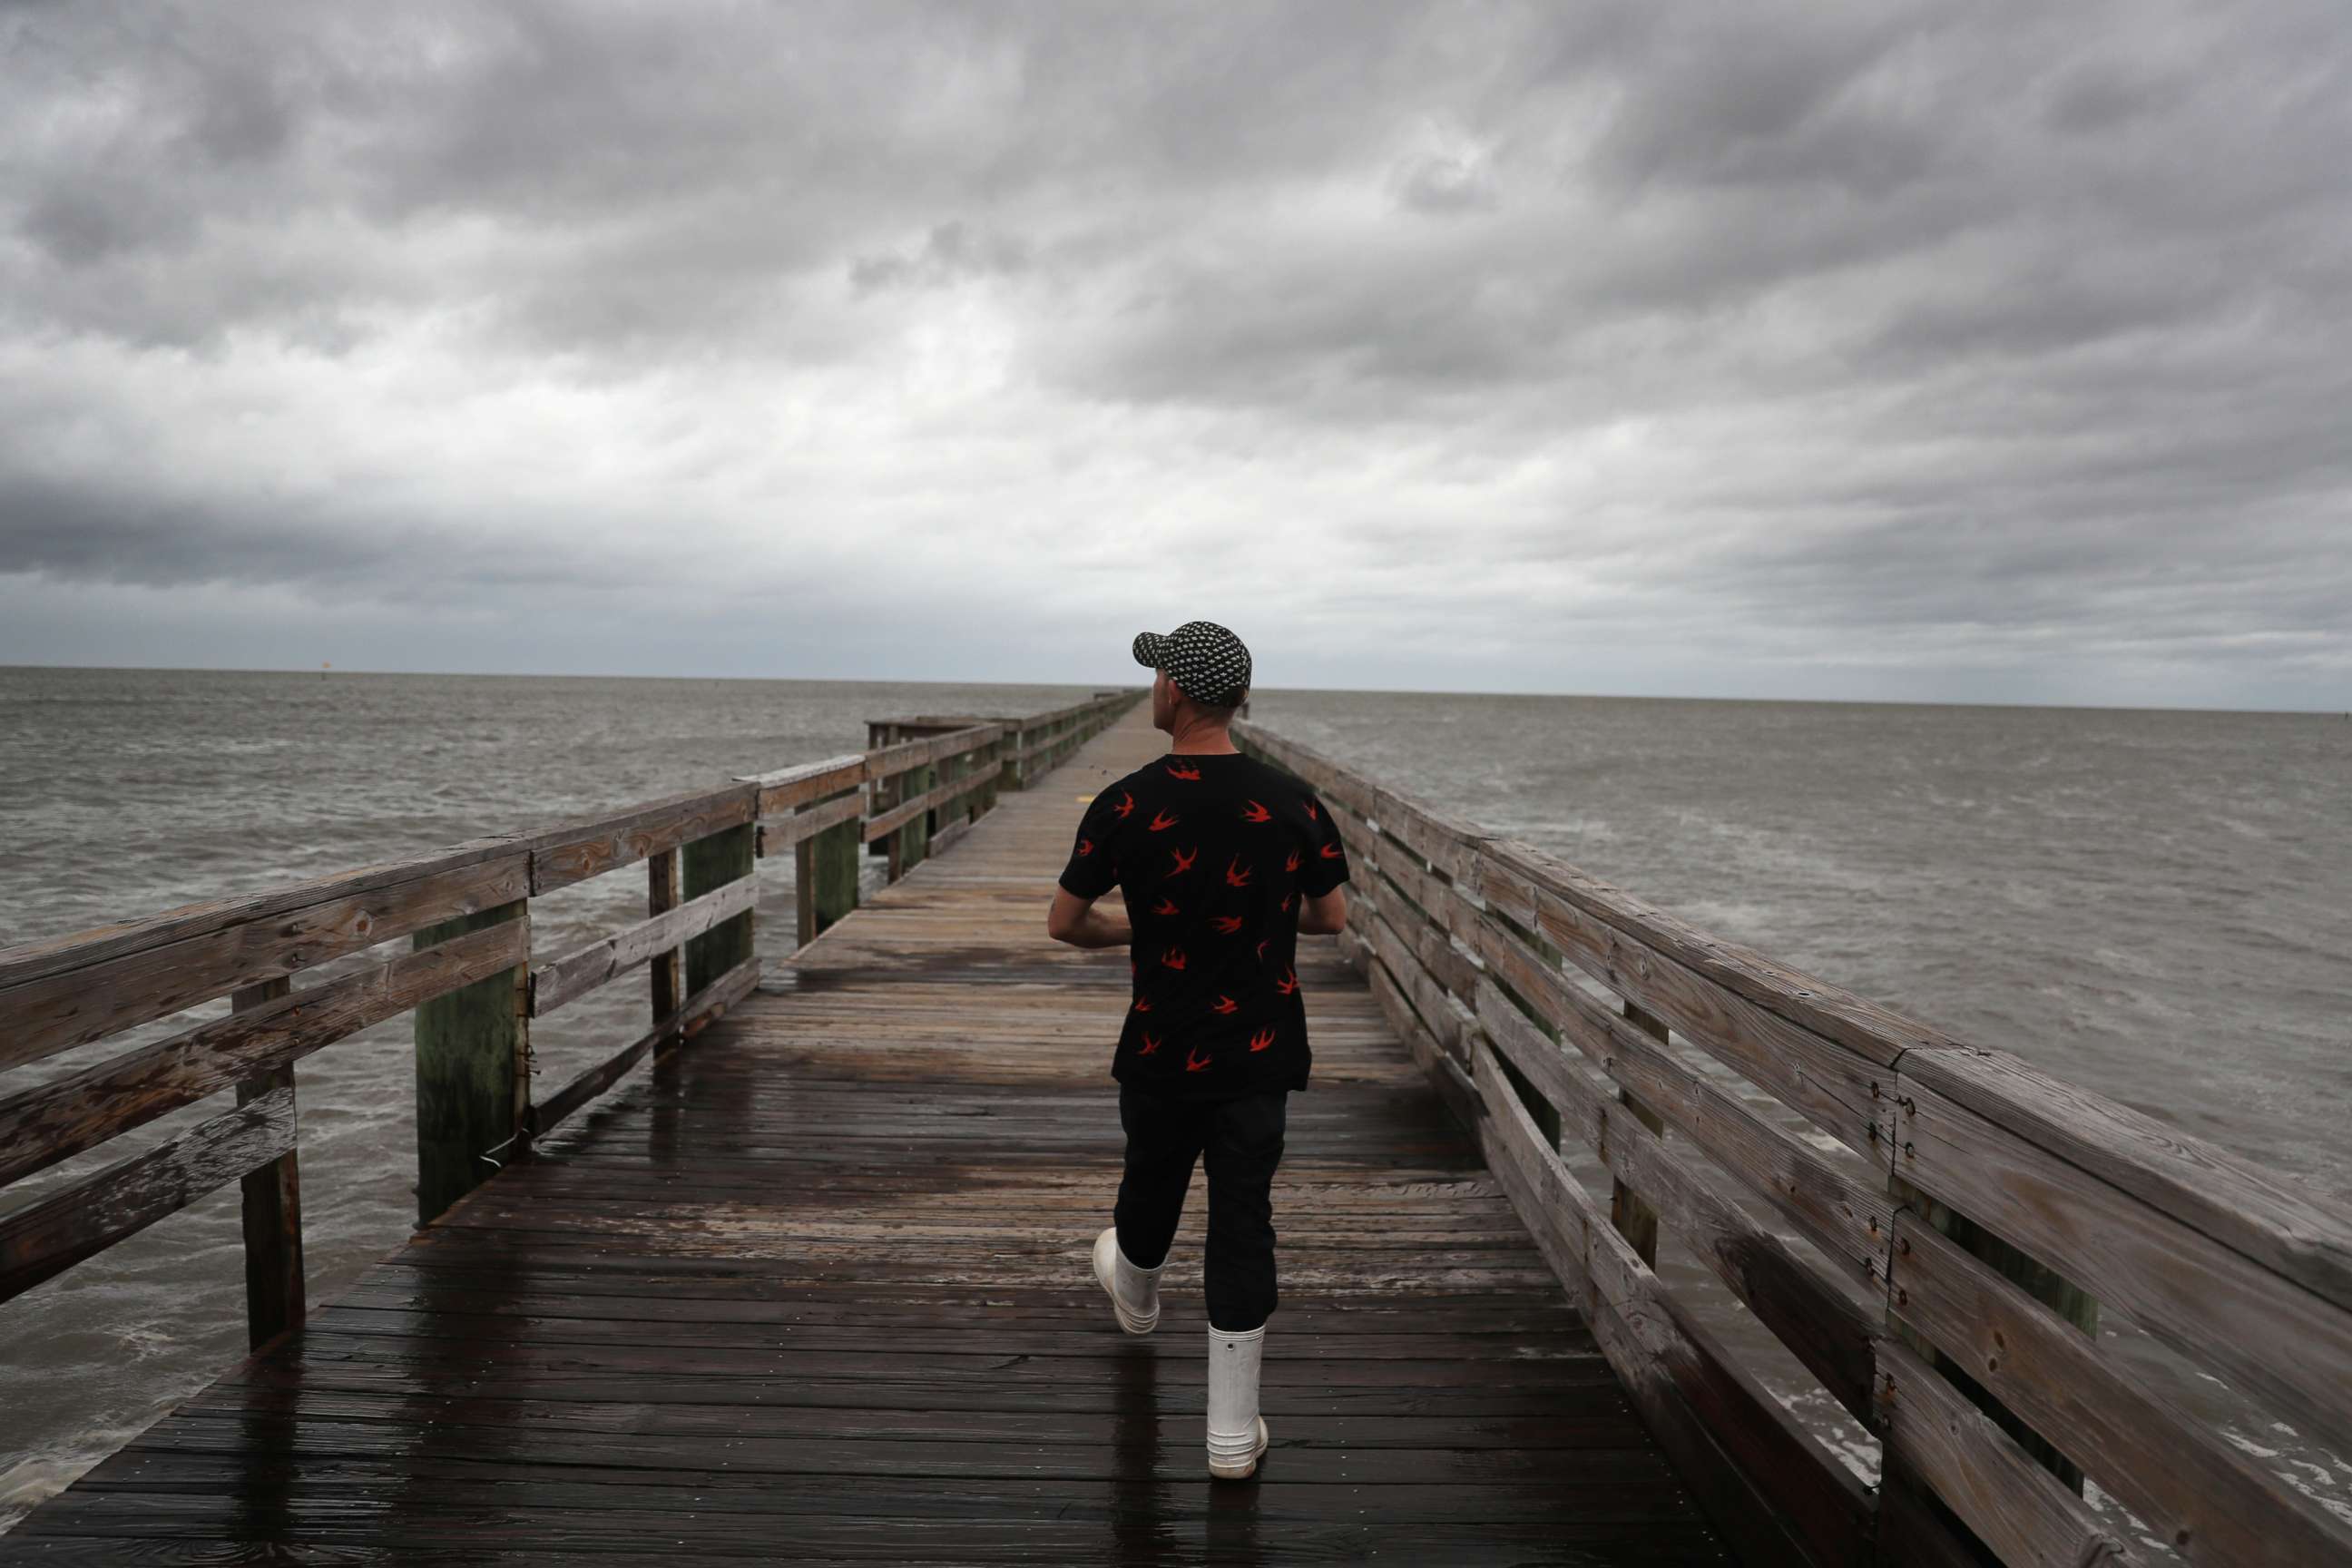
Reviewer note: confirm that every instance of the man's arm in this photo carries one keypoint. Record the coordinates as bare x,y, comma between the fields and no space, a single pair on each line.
1323,915
1075,920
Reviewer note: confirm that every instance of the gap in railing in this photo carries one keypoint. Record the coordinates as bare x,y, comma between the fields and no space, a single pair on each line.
586,1030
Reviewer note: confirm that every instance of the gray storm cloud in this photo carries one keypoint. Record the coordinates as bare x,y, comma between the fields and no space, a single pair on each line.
1869,350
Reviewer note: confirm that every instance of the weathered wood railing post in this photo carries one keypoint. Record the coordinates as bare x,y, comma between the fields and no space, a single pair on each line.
995,752
275,1296
706,865
665,979
667,969
881,794
1016,741
912,841
825,869
1635,1220
949,768
473,1070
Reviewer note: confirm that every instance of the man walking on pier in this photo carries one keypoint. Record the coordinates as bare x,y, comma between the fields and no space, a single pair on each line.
1223,862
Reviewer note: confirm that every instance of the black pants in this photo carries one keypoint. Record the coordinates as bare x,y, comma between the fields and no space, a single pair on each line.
1241,1140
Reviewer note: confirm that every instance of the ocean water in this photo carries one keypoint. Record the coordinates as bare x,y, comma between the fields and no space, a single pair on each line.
2157,905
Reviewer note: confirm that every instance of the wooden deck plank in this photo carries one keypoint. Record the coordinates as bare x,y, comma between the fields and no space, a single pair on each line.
819,1291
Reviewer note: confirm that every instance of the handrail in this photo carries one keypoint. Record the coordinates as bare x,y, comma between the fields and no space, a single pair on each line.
468,974
1968,1211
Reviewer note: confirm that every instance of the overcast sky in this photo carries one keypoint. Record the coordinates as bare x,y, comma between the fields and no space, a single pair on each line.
1950,352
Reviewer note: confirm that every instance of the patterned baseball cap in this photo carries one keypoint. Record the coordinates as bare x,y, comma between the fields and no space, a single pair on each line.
1206,661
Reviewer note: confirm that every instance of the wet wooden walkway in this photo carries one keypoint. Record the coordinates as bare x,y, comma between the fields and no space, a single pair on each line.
818,1291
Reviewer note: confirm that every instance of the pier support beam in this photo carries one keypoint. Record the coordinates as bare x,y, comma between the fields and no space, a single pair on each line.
667,969
948,813
473,1071
995,750
275,1298
910,843
825,867
708,864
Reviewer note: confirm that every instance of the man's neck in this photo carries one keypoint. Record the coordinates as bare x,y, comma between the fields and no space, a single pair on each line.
1207,741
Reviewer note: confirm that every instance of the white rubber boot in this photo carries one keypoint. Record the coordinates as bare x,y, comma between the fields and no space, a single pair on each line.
1134,1292
1238,1434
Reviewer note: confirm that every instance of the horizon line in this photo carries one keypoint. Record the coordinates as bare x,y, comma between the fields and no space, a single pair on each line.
329,671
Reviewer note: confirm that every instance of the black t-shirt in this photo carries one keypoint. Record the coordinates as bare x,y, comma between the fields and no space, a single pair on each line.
1213,852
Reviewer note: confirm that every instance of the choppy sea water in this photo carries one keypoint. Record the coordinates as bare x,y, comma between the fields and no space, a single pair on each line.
2158,905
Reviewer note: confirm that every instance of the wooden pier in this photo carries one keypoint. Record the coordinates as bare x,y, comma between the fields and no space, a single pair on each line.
800,1274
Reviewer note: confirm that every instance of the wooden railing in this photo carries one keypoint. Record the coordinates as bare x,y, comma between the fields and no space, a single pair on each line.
1932,1261
470,977
1037,743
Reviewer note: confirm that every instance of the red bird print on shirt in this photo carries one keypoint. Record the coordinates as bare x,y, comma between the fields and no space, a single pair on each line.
1166,906
1174,958
1261,951
1262,1039
1285,903
1310,810
1329,852
1288,983
1126,805
1227,923
1183,770
1256,813
1149,1046
1194,1061
1226,1004
1237,875
1086,847
1143,1003
1183,861
1292,863
1162,822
